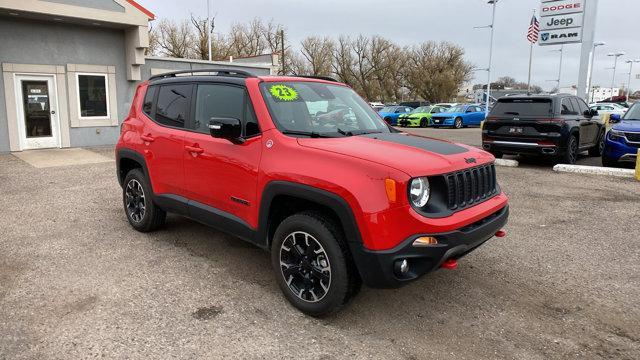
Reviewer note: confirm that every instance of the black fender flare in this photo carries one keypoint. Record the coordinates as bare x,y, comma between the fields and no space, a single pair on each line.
127,153
312,194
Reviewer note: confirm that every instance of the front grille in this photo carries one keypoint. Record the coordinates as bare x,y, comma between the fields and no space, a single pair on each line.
632,136
470,186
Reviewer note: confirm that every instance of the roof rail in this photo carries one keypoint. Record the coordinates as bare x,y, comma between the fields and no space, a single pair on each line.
218,72
326,78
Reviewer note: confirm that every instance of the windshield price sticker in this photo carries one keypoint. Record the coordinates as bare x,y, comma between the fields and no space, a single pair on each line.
283,93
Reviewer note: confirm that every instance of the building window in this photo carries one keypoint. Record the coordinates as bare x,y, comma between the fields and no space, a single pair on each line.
93,96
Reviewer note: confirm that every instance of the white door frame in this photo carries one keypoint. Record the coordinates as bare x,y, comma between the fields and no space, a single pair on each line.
52,141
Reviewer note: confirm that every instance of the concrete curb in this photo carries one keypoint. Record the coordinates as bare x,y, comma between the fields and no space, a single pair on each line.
595,170
505,162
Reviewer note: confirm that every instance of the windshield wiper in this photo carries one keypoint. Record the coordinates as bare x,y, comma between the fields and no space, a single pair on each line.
311,134
357,132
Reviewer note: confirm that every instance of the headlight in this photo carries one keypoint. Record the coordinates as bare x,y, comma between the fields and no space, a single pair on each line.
616,135
419,191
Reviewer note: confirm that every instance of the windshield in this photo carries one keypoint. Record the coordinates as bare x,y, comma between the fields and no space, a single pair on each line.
456,109
320,109
633,114
523,107
422,109
388,109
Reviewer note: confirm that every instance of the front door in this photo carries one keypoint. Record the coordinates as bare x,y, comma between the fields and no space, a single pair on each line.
37,112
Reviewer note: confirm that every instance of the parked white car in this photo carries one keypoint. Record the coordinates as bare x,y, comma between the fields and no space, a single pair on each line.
608,108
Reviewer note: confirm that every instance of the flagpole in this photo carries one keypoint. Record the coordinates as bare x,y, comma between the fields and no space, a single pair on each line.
530,61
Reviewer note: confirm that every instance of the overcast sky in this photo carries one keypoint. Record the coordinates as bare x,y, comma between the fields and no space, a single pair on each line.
413,21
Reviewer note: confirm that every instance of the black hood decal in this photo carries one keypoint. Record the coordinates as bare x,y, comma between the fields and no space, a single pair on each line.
431,145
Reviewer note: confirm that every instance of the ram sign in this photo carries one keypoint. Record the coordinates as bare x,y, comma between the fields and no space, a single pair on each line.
561,22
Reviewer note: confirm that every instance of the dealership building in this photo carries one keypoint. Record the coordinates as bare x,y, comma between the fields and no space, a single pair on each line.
70,68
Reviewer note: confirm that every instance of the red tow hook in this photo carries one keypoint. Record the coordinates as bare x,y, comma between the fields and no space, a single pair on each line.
501,233
450,264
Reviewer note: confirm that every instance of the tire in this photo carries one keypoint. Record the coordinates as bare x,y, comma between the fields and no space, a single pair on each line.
598,149
423,122
457,123
496,154
324,277
571,154
142,213
608,162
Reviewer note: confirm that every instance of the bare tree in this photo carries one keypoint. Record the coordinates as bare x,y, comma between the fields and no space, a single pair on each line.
202,29
175,40
318,54
154,38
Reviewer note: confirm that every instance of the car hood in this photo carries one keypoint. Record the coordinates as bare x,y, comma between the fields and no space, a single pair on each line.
633,125
412,154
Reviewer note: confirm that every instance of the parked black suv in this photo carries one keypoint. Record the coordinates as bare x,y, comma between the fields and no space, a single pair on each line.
561,126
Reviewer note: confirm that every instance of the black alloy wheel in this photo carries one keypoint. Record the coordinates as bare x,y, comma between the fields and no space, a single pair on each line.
135,200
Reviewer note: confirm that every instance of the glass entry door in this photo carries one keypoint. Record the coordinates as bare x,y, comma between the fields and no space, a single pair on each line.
37,112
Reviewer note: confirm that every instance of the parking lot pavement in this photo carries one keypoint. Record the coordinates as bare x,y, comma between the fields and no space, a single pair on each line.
473,137
76,281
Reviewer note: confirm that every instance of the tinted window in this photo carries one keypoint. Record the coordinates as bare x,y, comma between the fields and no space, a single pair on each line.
566,107
523,107
92,90
173,105
576,106
582,106
224,101
147,105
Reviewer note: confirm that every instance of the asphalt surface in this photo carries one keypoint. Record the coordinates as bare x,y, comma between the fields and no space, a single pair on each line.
76,281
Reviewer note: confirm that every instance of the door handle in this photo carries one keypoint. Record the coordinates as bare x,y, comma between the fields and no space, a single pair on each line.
147,138
194,149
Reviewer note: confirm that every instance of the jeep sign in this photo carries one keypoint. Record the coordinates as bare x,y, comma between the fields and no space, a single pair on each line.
561,21
560,36
561,7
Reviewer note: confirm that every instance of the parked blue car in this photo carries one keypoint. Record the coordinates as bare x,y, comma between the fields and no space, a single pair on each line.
623,140
459,116
390,113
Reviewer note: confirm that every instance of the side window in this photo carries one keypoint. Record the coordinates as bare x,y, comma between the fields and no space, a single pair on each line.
576,106
582,106
566,107
172,107
224,101
147,105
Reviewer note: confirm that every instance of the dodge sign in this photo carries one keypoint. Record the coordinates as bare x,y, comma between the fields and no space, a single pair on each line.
551,8
561,21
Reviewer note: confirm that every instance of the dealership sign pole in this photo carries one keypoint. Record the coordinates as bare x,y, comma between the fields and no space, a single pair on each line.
570,22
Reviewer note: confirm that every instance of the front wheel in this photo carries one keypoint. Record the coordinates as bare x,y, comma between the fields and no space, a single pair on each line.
423,122
458,123
312,264
598,149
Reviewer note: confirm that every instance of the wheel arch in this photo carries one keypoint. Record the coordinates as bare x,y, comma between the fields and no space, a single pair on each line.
127,160
282,198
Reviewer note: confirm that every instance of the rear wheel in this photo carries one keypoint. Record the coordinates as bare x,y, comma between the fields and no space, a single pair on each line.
141,212
423,122
571,154
457,123
312,264
598,149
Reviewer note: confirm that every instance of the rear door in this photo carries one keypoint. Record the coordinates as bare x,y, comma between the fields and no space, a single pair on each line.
521,120
588,126
163,138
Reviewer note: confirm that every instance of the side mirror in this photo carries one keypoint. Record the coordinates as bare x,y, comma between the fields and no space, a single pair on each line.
226,128
614,118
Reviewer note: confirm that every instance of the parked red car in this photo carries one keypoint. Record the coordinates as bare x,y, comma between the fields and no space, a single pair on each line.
305,168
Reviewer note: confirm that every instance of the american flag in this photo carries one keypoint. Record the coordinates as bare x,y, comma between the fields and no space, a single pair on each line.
534,30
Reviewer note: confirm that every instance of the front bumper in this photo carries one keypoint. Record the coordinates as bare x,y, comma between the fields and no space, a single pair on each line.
376,268
442,122
408,122
619,151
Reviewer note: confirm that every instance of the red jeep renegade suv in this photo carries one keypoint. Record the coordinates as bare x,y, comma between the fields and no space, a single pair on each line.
305,168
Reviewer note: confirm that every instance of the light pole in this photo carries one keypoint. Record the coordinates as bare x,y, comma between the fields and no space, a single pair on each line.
488,69
561,51
615,55
630,62
590,93
207,29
